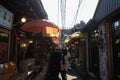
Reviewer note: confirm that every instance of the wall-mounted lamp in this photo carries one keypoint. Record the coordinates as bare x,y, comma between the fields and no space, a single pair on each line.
30,41
23,20
23,45
76,42
18,22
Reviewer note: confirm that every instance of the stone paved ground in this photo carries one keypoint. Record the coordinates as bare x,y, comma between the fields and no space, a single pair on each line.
72,75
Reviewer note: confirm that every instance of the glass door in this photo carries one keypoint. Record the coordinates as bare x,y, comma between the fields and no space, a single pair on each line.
116,49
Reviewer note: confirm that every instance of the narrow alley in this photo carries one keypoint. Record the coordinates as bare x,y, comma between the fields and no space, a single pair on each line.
33,47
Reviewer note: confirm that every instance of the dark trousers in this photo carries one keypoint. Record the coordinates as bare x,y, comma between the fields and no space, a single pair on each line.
63,74
53,74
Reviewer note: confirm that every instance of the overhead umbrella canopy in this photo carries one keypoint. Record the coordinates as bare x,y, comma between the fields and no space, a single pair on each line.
43,26
75,35
67,40
51,35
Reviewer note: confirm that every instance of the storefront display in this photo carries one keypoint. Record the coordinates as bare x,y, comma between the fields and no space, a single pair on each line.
4,43
6,19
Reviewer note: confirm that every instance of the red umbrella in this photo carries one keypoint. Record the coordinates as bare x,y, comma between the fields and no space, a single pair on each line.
43,26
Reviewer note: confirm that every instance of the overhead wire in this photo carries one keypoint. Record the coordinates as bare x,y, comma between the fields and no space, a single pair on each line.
81,7
63,17
58,12
76,15
63,13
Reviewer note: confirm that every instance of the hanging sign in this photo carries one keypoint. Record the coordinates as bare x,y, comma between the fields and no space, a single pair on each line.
6,17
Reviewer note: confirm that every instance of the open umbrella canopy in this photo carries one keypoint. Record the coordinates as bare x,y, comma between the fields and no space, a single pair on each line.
74,36
77,34
43,26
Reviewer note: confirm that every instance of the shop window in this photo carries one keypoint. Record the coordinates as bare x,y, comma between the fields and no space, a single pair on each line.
4,41
116,25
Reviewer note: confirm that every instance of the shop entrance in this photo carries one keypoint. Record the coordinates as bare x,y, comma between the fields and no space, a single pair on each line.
94,52
116,49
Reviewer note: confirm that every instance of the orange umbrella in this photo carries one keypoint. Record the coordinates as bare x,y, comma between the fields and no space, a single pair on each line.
43,26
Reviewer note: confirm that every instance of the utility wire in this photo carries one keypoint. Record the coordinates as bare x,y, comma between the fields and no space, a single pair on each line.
58,13
63,17
76,15
81,8
63,13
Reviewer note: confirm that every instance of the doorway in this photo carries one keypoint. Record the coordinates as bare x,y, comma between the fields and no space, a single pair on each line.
93,52
116,49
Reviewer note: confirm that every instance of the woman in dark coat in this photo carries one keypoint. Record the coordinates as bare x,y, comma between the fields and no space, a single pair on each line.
54,65
63,64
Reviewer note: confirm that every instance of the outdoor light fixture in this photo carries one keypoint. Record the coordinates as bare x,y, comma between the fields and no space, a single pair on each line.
21,35
96,34
23,19
20,21
23,45
31,41
76,42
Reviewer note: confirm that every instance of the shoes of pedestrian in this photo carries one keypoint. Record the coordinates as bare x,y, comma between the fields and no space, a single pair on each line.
69,68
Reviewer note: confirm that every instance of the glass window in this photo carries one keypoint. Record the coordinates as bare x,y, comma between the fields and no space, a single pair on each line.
116,25
4,39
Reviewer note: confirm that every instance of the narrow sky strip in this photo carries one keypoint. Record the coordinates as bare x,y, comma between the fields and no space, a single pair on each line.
85,13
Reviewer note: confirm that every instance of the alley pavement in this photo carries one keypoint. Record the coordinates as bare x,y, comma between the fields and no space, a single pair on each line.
72,75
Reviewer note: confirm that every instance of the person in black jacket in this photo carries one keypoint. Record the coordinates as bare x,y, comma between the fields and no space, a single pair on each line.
63,64
54,65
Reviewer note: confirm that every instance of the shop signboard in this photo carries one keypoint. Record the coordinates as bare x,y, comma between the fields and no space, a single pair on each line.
6,17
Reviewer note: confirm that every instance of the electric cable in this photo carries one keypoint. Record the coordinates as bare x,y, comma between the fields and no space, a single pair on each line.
76,15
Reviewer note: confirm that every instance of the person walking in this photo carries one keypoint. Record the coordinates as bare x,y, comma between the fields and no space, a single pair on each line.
54,64
63,65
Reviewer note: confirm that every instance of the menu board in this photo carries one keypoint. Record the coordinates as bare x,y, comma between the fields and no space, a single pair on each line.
6,17
4,41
